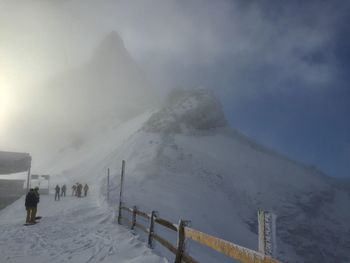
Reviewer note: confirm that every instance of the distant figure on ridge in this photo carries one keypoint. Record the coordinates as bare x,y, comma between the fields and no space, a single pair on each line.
57,192
30,204
63,190
79,189
74,189
86,188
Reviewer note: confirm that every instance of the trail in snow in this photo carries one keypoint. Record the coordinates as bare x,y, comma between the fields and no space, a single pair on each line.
71,230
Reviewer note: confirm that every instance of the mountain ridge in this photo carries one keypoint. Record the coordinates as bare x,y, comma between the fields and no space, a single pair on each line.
219,178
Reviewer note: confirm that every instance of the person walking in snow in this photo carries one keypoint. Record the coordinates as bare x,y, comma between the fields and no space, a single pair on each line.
30,204
63,190
36,192
57,192
86,188
80,188
74,189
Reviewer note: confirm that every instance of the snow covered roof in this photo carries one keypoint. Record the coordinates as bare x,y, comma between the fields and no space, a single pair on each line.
13,162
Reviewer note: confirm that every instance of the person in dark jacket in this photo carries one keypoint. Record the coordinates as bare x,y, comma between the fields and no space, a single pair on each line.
79,189
76,191
86,188
57,192
30,204
74,188
63,190
36,192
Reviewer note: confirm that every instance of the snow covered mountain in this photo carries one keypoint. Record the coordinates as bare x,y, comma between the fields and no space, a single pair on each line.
186,162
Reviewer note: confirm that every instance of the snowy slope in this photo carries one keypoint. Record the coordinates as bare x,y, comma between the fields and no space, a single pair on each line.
71,230
185,162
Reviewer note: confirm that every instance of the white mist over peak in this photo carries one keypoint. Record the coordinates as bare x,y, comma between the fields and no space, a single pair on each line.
66,109
110,82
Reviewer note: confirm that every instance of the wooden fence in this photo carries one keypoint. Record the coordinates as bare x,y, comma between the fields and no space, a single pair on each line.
184,232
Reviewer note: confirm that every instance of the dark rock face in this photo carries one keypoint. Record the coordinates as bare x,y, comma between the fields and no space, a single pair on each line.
188,110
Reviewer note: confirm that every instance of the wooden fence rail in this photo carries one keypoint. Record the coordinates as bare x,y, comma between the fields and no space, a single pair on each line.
184,232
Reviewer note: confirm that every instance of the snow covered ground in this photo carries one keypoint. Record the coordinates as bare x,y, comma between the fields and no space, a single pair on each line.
71,230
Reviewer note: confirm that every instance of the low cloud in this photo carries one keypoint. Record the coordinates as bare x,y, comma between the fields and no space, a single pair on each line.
238,48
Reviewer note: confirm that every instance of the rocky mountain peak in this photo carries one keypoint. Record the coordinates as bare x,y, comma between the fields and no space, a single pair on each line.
186,110
112,44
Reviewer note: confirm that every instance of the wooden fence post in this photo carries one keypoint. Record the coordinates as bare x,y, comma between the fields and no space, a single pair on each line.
267,242
261,231
120,213
133,222
180,241
151,229
121,193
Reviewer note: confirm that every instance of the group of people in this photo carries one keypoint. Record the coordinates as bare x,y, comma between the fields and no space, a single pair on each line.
60,191
33,198
78,188
31,204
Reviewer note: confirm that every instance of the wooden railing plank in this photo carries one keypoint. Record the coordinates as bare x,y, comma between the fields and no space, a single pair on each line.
143,228
165,243
143,214
229,249
166,223
127,209
188,259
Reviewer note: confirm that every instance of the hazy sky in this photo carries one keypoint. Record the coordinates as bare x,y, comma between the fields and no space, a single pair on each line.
280,67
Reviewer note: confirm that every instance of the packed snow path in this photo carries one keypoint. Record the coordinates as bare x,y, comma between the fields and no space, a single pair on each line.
71,230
